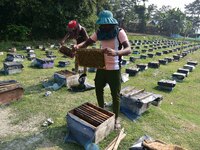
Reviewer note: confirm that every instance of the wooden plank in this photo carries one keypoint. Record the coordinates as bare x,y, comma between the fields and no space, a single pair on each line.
134,92
118,139
145,96
126,90
11,95
115,143
96,113
87,119
94,118
104,116
104,129
81,121
92,115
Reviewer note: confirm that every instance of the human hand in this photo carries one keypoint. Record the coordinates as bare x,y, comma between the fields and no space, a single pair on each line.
110,52
75,47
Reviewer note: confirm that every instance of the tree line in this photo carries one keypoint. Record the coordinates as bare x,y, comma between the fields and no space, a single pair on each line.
40,19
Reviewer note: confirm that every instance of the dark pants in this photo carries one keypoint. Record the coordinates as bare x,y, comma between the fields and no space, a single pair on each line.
113,78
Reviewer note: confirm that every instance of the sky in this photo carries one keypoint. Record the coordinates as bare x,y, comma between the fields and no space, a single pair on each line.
173,3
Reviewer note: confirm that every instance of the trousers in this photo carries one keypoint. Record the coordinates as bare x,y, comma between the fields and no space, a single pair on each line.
113,78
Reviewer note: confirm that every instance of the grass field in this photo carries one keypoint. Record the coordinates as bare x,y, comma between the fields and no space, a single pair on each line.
175,121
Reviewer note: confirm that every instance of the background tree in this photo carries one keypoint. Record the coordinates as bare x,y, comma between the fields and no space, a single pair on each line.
192,11
45,18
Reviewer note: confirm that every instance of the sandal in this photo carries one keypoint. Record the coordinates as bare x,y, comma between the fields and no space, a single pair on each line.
117,124
48,122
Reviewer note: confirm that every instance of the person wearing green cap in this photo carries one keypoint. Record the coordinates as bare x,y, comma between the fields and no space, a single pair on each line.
114,44
77,32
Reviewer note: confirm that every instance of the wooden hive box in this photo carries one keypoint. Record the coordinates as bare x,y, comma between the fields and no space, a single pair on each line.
10,91
176,57
63,63
90,121
144,51
169,59
184,71
159,53
190,67
163,61
132,71
137,101
12,67
67,76
14,57
91,58
143,56
142,67
183,54
167,84
132,59
150,55
150,50
192,63
165,52
135,52
178,76
153,64
45,63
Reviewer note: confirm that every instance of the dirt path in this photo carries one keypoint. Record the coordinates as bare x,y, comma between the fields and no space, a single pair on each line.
19,136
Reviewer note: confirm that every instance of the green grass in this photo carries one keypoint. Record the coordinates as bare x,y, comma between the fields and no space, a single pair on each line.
176,121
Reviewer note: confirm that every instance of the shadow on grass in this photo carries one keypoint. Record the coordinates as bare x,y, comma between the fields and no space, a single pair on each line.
50,138
34,89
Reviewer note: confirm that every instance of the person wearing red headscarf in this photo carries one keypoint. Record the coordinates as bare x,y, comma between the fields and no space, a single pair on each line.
77,32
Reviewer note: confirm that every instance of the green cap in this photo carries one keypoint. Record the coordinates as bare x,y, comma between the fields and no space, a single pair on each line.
106,17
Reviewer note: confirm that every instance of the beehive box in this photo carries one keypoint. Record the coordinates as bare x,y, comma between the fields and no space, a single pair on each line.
14,57
153,64
150,55
166,84
90,121
143,56
63,63
169,59
163,61
190,67
44,63
91,58
10,90
12,67
192,63
136,101
142,67
132,71
178,76
66,76
184,71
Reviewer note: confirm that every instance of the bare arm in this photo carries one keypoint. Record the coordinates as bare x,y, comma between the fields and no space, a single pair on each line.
85,35
64,39
84,44
124,52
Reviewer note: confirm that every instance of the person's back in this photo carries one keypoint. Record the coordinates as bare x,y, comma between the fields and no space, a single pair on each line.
77,32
